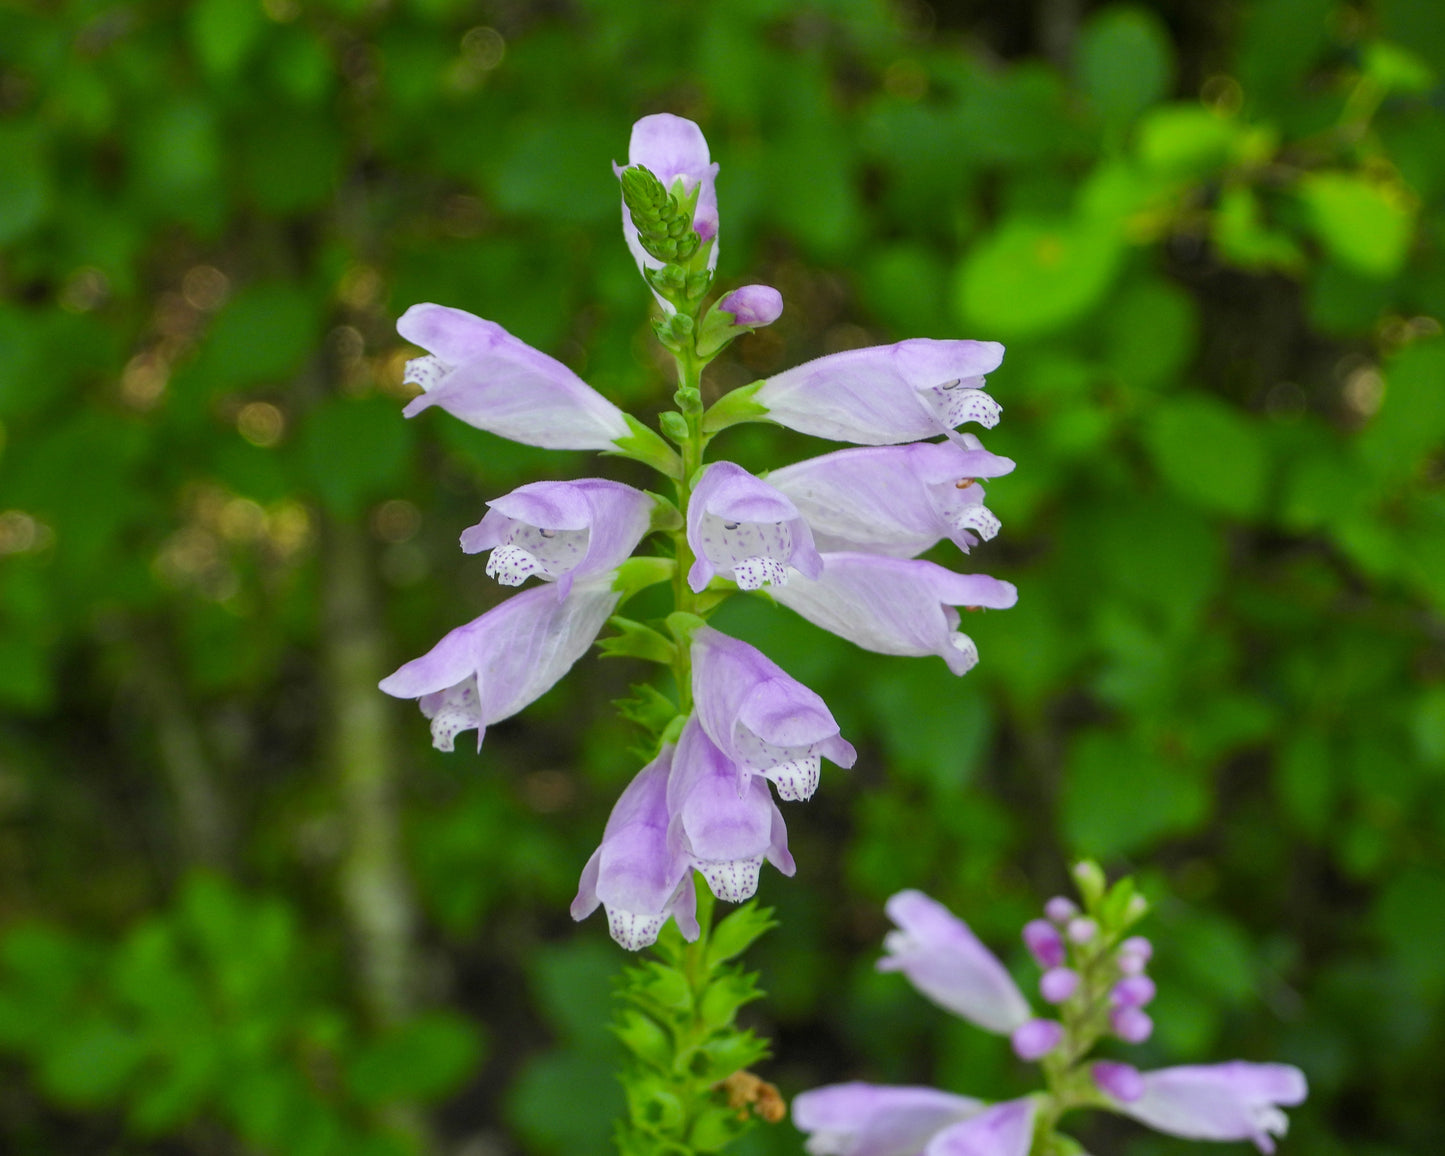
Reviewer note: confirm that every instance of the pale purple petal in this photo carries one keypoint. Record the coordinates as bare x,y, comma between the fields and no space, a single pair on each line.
1232,1101
486,377
1006,1129
560,530
896,500
495,665
753,306
861,1119
761,717
945,961
634,874
1120,1081
743,529
896,605
724,819
886,394
1036,1039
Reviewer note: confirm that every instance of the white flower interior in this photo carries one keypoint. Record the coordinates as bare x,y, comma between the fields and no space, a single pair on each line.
754,553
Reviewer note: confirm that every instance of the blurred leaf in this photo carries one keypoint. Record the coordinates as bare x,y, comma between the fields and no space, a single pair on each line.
421,1060
355,451
1187,140
1150,332
224,33
1124,61
1242,237
1365,225
1410,424
24,180
1411,917
1209,453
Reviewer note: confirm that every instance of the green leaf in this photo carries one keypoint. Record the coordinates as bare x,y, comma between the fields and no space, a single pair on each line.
639,573
645,1038
223,33
646,445
735,934
719,1058
734,407
636,640
421,1060
1119,797
1151,330
1124,61
648,707
1210,453
1187,140
24,180
1242,238
354,451
1429,726
720,1002
716,1127
89,1062
1410,424
1365,224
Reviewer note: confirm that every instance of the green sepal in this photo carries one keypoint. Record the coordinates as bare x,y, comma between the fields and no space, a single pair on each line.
658,986
682,624
645,1038
639,573
735,934
645,445
733,408
636,640
653,1106
1115,905
674,427
673,730
649,708
665,517
719,1058
711,598
727,993
716,1127
1091,882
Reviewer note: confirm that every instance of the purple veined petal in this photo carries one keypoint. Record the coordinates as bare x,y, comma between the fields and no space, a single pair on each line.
945,961
723,819
634,874
495,665
480,373
1231,1101
896,605
1006,1129
885,394
672,149
742,528
753,306
761,717
859,1119
560,530
896,500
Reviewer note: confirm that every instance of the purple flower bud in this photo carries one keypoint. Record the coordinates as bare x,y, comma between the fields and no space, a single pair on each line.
753,306
1082,930
1132,991
1121,1081
1134,954
1131,1025
1036,1039
1061,910
1058,983
1044,943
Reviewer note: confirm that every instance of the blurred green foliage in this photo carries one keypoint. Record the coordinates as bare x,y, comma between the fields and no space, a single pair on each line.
1211,235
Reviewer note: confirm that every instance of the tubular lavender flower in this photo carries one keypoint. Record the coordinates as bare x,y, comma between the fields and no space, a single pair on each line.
867,1120
745,530
1231,1101
1004,1130
761,718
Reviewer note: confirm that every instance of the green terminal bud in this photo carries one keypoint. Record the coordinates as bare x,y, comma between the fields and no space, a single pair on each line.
663,220
1089,878
674,425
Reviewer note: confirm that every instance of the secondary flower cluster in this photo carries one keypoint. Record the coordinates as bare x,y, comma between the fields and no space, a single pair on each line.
1095,979
836,538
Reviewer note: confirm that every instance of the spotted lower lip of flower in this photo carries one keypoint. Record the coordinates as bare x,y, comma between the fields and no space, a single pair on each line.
495,665
859,1119
480,373
1230,1101
896,605
896,500
563,531
634,874
886,394
760,717
725,820
743,529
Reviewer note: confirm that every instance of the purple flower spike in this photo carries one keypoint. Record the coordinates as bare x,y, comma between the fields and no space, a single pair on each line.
886,394
745,530
634,874
560,530
1060,910
1134,955
1132,991
673,149
1006,1129
726,821
753,306
1233,1101
480,373
896,500
1120,1081
896,605
1131,1024
1036,1039
1044,943
762,718
945,961
860,1119
1058,984
497,664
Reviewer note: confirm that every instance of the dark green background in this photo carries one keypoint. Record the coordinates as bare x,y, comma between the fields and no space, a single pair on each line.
245,908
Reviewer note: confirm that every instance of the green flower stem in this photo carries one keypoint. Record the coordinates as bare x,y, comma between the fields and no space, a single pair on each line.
689,397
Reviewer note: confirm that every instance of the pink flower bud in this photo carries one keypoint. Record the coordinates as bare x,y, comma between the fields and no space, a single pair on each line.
1082,930
1134,954
1042,939
1132,991
1058,983
753,305
1121,1081
1131,1025
1060,910
1036,1039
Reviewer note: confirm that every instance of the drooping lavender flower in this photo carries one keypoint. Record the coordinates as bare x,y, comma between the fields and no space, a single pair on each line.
896,500
896,605
480,373
495,665
637,877
860,1119
724,819
1006,1129
760,717
745,530
886,394
1230,1101
561,531
945,961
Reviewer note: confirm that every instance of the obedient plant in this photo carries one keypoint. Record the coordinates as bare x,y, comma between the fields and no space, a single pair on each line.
1093,977
835,538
